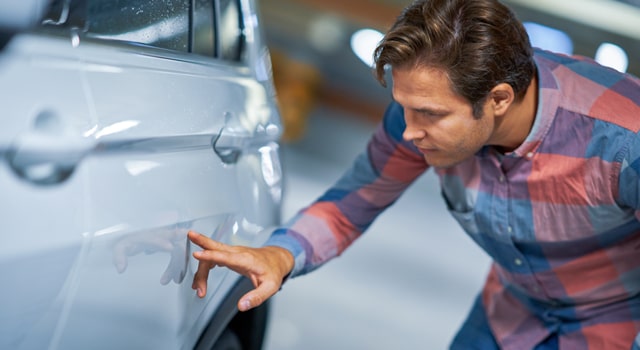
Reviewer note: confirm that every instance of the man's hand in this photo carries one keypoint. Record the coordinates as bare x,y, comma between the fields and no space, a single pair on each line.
266,267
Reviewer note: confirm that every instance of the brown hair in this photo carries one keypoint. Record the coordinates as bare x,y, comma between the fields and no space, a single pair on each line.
478,43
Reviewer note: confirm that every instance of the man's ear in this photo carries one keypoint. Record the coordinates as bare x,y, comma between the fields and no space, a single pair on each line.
501,98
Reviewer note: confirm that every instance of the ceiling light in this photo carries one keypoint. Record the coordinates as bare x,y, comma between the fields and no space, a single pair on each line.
548,38
364,43
613,56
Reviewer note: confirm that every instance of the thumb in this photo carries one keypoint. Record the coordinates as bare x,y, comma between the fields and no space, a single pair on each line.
257,296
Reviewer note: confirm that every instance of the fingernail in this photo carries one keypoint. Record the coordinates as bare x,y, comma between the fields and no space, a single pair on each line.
245,305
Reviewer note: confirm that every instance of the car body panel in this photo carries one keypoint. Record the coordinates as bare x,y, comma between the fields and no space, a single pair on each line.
16,15
133,146
39,252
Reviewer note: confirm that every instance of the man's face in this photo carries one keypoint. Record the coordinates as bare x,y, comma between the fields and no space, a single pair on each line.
439,122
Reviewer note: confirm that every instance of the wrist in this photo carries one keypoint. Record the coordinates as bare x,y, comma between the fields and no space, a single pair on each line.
284,259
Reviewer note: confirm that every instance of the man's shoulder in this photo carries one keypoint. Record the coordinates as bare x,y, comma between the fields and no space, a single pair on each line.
583,67
393,121
590,89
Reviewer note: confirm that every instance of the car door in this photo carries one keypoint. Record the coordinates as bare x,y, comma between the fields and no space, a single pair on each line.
183,141
43,184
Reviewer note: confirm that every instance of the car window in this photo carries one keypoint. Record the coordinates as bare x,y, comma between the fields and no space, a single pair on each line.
230,30
203,41
215,28
160,23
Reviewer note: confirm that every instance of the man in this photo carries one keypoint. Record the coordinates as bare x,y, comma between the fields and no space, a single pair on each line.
538,156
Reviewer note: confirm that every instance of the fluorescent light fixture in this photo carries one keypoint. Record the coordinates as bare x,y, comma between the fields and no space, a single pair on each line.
363,44
612,55
548,38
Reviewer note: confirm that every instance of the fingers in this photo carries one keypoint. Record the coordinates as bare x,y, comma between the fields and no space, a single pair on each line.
200,278
205,262
257,296
233,257
204,241
265,267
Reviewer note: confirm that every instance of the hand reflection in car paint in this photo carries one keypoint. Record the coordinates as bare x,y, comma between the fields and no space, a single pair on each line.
172,240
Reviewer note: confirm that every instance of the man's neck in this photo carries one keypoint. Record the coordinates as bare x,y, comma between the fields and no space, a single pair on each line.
516,124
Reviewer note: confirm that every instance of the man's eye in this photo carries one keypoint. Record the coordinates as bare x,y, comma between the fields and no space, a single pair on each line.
432,114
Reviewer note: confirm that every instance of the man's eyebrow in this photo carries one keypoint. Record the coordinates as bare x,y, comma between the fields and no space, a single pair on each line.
430,110
423,109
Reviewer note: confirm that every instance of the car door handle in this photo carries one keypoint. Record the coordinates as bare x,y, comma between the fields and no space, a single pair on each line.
228,145
45,159
231,142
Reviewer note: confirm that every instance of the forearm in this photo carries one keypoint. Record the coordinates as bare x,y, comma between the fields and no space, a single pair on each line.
375,181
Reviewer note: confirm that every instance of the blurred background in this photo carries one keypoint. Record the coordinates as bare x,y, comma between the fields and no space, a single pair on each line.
410,280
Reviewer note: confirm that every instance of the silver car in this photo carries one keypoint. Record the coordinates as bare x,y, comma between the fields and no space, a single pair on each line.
126,123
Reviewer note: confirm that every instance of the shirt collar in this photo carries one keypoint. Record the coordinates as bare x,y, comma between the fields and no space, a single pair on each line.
548,102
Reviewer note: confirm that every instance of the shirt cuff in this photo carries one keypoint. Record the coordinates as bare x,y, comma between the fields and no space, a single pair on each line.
279,238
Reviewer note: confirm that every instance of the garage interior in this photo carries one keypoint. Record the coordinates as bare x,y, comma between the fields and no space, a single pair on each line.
410,280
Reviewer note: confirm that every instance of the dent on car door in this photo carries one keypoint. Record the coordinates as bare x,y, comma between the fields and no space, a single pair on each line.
164,126
43,149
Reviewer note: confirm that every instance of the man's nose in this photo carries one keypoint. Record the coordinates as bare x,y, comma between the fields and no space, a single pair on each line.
413,132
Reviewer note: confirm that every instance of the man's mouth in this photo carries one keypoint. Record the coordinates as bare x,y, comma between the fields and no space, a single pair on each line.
426,150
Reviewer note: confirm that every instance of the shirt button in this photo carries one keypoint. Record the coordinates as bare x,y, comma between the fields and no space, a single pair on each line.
530,155
501,179
509,229
518,262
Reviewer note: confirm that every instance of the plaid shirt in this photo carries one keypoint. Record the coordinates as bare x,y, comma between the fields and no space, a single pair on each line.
560,215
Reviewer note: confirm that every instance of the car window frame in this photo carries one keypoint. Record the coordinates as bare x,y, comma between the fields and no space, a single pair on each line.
63,16
242,39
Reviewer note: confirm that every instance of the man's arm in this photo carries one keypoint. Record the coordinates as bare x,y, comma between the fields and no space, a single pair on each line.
328,226
628,180
376,179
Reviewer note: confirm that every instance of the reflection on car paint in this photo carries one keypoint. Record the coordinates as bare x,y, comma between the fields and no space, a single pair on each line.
169,240
116,128
139,167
